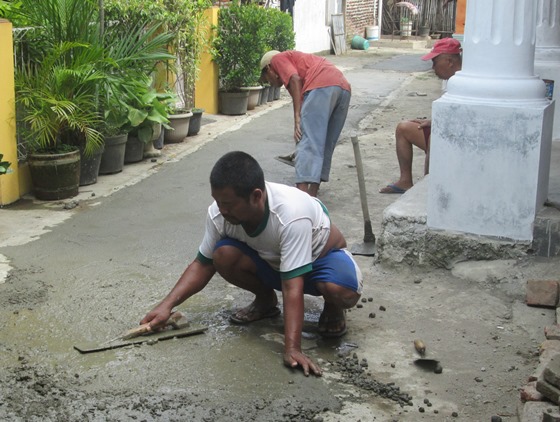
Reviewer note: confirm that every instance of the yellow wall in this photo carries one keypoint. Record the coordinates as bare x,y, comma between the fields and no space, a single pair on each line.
9,183
206,88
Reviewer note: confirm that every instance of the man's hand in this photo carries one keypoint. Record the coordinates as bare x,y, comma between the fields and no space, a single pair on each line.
422,123
295,358
157,317
297,132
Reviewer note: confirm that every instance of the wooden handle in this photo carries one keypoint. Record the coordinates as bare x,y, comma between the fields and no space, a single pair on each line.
368,232
176,320
137,331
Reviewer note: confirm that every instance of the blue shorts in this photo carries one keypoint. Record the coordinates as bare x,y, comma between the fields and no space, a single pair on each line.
336,267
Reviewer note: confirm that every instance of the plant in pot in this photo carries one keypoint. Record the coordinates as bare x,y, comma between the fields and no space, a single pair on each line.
147,113
186,19
134,50
195,121
237,49
57,112
193,42
56,85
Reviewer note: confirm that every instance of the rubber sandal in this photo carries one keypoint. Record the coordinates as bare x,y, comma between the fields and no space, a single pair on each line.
246,319
332,334
392,188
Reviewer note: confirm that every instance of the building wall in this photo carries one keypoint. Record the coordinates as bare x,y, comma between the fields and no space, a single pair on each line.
311,25
206,88
9,183
359,14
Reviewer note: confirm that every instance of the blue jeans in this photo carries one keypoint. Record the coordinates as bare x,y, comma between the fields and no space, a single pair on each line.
323,114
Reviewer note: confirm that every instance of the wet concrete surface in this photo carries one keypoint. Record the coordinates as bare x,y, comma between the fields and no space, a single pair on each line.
91,272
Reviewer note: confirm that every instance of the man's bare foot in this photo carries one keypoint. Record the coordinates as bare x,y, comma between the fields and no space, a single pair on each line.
332,322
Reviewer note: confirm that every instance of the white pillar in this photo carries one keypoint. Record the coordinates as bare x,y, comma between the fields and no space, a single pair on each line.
547,51
491,131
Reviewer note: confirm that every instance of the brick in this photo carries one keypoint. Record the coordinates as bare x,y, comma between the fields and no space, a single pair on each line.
549,391
551,372
530,393
549,348
551,417
542,293
533,411
552,332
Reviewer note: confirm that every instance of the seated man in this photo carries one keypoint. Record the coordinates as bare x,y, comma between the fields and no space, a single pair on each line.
446,60
263,237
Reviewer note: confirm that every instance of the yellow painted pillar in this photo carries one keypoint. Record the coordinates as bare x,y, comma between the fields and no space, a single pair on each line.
206,87
9,183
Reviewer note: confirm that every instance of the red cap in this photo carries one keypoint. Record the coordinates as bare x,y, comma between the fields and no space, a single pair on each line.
444,46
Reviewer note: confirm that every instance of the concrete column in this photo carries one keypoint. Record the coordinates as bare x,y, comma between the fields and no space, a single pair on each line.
547,51
491,131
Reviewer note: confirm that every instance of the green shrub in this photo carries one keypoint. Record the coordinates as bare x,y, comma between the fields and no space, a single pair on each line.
239,45
279,30
184,19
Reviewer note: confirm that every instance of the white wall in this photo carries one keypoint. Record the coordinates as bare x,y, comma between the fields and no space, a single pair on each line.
311,25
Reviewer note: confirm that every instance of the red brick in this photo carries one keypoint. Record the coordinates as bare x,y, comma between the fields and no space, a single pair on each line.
542,293
530,393
552,332
548,348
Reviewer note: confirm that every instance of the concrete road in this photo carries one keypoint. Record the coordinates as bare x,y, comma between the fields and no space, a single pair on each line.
91,270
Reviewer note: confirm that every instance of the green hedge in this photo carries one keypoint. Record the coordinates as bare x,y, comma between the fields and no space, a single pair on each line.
243,35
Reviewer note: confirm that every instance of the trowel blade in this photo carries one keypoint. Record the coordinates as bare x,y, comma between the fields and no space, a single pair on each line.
285,160
427,364
365,249
164,335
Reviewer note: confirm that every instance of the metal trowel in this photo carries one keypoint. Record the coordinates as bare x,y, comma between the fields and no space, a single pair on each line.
425,363
177,326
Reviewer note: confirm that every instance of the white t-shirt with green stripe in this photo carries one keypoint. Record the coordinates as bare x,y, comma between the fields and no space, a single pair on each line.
293,233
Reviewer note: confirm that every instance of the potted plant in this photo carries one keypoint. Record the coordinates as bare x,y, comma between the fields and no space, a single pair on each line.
57,113
74,65
237,49
195,121
178,128
186,20
56,92
147,113
134,50
406,27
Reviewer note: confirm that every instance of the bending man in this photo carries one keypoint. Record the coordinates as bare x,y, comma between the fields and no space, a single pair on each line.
321,96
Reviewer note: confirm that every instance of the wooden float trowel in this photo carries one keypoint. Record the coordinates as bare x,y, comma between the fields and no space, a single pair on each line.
424,362
177,326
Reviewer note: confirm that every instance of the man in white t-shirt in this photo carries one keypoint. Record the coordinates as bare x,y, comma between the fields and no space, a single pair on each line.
446,60
264,237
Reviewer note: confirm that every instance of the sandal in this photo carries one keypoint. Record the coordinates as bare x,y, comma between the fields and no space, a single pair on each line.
252,314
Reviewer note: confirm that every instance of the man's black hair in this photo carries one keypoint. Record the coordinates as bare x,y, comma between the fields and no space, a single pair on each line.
239,171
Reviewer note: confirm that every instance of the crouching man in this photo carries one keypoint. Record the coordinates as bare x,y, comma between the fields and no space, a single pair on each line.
266,237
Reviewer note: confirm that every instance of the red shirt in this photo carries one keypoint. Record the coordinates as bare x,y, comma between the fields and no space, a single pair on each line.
314,71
